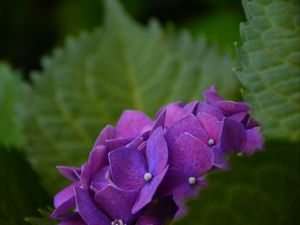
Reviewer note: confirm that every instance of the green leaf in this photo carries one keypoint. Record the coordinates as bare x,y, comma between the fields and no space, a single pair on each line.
10,96
90,81
263,189
20,191
43,220
270,65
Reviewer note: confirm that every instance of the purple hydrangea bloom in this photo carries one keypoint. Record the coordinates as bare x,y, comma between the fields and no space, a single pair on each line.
142,171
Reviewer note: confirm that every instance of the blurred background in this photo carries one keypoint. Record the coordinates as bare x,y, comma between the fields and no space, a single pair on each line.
31,28
263,188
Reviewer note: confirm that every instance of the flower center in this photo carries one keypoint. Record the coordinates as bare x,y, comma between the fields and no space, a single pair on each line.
148,176
117,222
211,142
192,180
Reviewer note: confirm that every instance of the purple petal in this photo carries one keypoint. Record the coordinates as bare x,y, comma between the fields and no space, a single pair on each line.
220,158
118,142
172,180
180,195
254,140
107,133
206,108
70,173
157,152
211,96
135,143
131,123
239,117
233,136
88,210
74,219
160,120
115,202
249,122
174,112
146,194
97,158
85,176
188,124
191,107
212,126
63,201
128,167
229,108
191,156
99,180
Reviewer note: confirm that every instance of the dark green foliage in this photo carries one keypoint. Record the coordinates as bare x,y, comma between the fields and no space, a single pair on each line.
20,190
10,95
262,189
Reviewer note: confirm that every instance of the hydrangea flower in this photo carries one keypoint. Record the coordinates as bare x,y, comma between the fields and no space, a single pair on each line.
142,171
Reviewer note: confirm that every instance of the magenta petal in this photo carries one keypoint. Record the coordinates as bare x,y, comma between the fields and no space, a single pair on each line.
107,133
134,120
88,210
63,201
212,126
188,124
157,152
191,107
191,156
115,202
146,194
174,112
254,140
233,136
160,120
128,167
74,219
70,173
211,96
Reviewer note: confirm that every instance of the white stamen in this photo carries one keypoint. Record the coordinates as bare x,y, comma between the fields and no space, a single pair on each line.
117,222
148,176
192,180
211,142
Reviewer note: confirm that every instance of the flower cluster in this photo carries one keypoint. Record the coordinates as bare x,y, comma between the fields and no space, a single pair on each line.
141,172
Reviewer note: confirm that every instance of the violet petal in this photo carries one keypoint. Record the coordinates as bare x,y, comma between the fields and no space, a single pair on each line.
191,156
134,120
116,202
63,201
157,152
69,172
233,136
88,210
188,124
128,167
147,192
